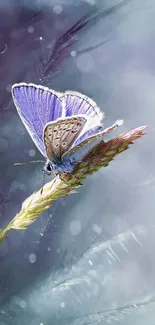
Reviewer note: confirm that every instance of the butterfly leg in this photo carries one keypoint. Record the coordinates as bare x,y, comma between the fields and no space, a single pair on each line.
56,173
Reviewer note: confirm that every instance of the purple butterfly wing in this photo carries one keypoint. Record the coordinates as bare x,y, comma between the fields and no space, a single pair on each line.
37,106
77,103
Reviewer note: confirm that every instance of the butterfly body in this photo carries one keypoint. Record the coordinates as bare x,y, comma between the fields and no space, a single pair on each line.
64,126
62,166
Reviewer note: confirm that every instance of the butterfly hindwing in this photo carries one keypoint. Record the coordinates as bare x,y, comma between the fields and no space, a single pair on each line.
82,147
60,135
37,105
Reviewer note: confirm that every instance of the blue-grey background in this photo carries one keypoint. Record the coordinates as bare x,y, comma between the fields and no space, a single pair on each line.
90,258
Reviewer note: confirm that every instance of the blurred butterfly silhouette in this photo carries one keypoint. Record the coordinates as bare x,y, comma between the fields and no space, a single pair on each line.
64,126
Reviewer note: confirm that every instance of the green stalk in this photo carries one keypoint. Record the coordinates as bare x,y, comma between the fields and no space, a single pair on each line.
66,184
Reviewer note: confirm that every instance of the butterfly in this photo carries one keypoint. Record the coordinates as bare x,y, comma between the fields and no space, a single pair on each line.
64,126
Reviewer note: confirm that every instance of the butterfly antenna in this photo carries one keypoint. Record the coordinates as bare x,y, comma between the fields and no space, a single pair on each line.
44,176
29,162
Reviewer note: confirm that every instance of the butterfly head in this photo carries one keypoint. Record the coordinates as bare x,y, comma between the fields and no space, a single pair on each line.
47,169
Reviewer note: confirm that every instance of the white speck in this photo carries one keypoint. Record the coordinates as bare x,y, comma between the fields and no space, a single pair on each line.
32,152
41,234
57,9
85,62
32,258
97,229
73,54
41,324
18,301
40,38
23,304
30,29
90,262
49,248
62,305
75,227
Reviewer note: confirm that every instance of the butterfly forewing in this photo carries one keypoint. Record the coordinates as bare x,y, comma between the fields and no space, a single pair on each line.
37,105
60,135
